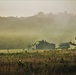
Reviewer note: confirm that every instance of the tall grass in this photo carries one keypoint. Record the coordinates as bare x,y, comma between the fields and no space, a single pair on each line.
39,63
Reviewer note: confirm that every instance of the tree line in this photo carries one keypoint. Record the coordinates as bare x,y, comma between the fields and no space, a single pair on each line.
22,43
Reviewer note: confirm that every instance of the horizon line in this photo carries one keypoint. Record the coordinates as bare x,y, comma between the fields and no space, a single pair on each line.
53,13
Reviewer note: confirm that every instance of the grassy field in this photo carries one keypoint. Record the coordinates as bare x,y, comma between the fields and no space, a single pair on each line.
37,62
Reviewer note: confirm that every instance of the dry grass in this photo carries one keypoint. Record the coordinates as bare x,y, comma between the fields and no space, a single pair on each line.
11,50
53,62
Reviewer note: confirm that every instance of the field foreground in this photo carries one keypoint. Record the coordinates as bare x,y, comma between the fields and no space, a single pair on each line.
42,62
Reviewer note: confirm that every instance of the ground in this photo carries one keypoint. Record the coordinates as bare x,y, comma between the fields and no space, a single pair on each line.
38,62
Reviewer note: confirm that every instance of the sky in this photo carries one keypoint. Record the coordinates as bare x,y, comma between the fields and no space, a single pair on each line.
30,7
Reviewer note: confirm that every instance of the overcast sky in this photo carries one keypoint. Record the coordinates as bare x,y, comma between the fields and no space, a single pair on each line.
29,8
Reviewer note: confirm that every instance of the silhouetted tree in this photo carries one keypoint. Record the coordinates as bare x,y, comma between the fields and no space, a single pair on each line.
64,45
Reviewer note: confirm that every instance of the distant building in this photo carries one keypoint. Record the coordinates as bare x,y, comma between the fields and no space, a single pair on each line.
43,45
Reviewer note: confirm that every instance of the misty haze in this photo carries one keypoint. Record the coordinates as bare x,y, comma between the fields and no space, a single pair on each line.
25,22
51,27
38,37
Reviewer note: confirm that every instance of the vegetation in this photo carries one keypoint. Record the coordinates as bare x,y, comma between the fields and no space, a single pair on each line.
64,46
19,33
45,45
53,27
42,62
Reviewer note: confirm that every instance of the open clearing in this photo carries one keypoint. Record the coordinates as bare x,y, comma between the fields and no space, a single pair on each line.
37,62
20,51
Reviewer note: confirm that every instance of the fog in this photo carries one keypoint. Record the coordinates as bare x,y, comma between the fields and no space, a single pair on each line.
51,27
25,22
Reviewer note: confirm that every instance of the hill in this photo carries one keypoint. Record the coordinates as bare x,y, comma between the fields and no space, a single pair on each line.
52,27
